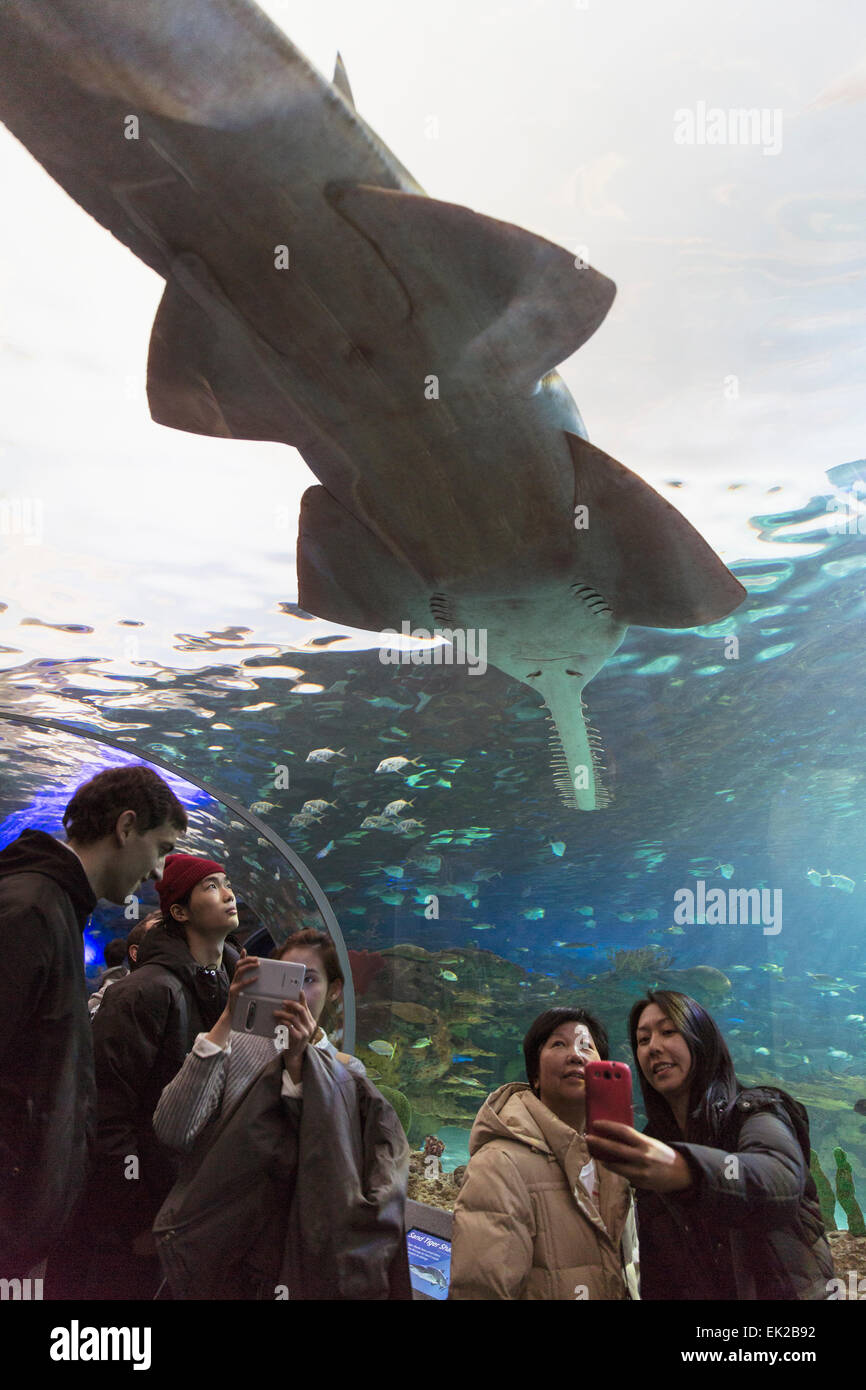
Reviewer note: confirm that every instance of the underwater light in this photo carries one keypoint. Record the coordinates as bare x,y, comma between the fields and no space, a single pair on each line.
47,809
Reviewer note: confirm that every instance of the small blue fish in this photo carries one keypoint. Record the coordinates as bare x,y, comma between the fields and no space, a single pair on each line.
815,878
462,1057
840,881
327,850
558,847
417,777
534,914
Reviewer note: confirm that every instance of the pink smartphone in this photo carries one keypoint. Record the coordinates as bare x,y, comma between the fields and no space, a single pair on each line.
608,1093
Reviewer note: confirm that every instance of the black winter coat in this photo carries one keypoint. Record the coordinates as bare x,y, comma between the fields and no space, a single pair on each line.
745,1230
298,1198
145,1027
47,1094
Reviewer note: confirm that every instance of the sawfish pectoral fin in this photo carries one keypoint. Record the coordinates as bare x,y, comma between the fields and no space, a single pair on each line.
495,301
208,371
651,565
346,574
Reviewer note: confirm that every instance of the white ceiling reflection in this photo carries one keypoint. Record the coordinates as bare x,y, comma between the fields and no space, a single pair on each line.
731,363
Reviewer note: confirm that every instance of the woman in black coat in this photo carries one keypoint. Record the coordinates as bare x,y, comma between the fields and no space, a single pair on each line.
726,1205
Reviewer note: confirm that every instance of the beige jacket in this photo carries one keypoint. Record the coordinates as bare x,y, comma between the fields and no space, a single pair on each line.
525,1226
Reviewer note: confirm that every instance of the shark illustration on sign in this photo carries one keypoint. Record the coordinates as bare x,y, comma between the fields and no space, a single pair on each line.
405,346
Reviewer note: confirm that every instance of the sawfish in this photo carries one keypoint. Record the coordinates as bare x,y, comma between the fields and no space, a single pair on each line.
405,346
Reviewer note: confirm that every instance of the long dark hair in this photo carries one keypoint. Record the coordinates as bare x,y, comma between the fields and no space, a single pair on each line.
713,1085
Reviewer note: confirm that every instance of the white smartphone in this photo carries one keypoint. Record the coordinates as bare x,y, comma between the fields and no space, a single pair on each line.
253,1010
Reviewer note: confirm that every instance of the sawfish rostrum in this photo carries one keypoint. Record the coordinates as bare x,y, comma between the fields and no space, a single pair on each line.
405,346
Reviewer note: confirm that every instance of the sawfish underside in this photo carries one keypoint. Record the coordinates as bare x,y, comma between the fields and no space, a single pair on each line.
405,346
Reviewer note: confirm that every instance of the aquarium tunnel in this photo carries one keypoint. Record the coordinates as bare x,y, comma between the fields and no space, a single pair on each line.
463,897
184,583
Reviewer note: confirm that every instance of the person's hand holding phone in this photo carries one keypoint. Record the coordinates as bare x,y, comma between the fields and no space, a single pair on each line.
301,1028
644,1161
245,973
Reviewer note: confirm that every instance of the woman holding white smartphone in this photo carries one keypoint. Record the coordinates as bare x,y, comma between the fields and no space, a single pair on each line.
292,1189
224,1061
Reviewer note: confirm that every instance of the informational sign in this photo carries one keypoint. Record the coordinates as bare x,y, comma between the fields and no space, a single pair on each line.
429,1263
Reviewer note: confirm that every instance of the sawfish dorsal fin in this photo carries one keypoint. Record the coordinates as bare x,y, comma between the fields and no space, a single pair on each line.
495,301
346,574
650,565
341,81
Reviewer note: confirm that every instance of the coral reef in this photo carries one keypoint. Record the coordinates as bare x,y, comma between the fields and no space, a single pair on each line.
401,1105
849,1258
440,1191
845,1194
641,960
826,1196
366,965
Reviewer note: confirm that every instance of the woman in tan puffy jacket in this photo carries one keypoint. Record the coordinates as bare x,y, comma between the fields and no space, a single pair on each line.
537,1217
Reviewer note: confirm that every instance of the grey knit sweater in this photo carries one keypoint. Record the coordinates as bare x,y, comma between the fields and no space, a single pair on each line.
212,1077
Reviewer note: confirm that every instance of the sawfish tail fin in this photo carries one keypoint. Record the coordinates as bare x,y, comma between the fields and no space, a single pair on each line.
577,756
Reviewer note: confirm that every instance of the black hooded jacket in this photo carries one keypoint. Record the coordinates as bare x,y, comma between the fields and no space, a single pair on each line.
750,1226
146,1025
47,1095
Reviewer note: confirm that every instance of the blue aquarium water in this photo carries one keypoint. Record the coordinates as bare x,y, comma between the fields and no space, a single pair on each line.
731,863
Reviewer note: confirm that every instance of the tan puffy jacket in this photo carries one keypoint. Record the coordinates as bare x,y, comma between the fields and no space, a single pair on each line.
525,1226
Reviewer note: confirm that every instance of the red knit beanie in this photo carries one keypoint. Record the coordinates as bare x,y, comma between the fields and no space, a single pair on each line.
181,873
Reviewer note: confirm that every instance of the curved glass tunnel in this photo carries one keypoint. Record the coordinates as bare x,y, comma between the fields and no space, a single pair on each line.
478,900
273,888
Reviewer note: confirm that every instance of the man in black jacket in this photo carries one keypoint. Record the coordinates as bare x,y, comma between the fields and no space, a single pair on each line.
120,826
146,1025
